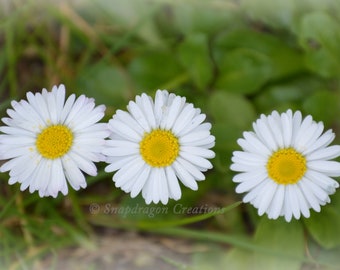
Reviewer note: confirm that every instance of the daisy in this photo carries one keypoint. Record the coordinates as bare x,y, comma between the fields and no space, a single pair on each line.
48,141
156,143
285,167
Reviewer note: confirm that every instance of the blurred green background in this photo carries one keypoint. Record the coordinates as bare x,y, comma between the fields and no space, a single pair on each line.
234,59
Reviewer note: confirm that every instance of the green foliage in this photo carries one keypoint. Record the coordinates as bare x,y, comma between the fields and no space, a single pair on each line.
275,249
193,54
325,228
324,104
282,238
98,78
319,36
233,59
247,60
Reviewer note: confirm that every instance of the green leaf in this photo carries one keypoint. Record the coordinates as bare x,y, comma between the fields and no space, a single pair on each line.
243,71
328,257
238,258
154,68
290,94
229,108
282,238
133,18
187,17
193,54
105,82
248,59
209,260
226,136
323,105
319,35
232,114
277,13
325,226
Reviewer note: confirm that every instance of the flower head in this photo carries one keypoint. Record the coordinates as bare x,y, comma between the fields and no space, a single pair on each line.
156,143
285,166
48,141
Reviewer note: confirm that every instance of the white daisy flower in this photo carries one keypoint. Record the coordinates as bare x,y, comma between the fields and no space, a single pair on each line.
285,166
48,141
156,143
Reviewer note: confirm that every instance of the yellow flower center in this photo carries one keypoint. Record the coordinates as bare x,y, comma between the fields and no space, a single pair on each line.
54,141
286,166
159,148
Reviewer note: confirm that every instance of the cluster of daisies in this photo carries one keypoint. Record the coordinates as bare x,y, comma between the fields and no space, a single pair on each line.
49,141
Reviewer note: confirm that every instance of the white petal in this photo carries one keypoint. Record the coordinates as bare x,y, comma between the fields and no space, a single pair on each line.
128,171
277,203
249,184
73,174
196,160
323,181
287,128
275,126
330,168
138,115
192,137
184,118
58,180
287,211
147,106
67,108
79,103
292,202
124,130
310,197
195,122
249,158
39,177
262,130
173,112
238,167
319,193
297,119
248,176
59,100
120,151
254,193
140,181
304,207
16,151
118,163
324,140
17,131
160,105
206,142
88,118
325,153
163,186
186,178
126,118
198,151
121,143
174,188
147,191
83,163
193,170
154,177
52,108
251,143
267,197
